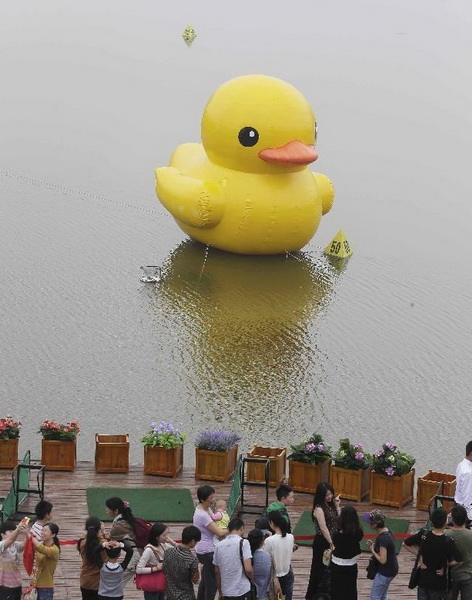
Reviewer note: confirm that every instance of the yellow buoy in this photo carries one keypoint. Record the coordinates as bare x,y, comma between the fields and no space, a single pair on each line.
339,247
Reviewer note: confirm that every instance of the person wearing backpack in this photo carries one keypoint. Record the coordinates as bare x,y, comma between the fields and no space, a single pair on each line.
123,530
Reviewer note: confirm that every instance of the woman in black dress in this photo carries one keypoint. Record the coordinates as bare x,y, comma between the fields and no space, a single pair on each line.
325,515
345,555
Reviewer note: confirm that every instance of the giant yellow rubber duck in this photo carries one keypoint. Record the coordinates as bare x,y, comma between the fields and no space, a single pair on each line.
247,188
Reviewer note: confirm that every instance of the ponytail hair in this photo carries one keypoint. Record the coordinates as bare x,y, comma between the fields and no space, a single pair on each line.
123,509
54,529
277,519
93,526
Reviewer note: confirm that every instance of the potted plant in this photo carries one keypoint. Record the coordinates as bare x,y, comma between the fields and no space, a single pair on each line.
392,477
216,453
59,445
9,439
163,450
350,471
309,464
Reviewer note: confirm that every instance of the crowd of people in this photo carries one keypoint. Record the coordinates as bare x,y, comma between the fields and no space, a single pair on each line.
214,553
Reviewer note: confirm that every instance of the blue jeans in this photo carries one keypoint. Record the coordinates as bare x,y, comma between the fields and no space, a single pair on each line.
45,593
286,583
379,590
464,587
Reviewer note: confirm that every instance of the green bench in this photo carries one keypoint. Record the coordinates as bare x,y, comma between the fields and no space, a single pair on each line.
21,487
235,492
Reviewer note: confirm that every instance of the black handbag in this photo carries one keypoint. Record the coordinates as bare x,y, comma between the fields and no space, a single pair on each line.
372,567
416,571
414,578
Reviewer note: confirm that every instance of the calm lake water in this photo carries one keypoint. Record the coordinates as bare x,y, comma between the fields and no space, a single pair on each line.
95,95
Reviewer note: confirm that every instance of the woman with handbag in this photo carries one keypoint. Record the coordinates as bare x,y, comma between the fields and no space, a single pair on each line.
346,553
87,548
280,546
325,513
149,574
46,558
383,551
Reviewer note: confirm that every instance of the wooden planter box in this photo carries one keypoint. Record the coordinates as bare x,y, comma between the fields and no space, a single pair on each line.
215,466
304,477
59,455
435,483
277,458
350,484
111,453
392,491
163,461
9,453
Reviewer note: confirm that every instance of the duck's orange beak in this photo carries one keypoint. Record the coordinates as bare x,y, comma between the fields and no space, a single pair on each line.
293,153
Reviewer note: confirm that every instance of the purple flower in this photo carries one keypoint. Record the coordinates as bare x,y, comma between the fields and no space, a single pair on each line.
320,447
219,441
359,455
378,453
391,446
390,471
357,446
310,447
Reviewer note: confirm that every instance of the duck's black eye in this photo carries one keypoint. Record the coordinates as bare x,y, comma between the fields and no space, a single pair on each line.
316,131
248,136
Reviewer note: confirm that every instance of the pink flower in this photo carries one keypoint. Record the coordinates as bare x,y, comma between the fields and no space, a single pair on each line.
390,471
359,455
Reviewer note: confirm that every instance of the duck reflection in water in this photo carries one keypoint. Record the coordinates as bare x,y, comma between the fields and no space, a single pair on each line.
250,323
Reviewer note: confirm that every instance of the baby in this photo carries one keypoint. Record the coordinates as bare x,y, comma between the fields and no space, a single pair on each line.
220,516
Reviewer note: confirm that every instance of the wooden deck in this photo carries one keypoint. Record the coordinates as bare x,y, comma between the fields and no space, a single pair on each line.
67,493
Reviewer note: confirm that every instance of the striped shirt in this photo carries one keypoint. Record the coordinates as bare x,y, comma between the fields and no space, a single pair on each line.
10,560
180,565
37,530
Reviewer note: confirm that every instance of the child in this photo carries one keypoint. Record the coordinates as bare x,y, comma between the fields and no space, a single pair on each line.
111,572
181,566
220,517
43,512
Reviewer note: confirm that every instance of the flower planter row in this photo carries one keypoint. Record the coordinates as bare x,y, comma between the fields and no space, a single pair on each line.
396,491
112,456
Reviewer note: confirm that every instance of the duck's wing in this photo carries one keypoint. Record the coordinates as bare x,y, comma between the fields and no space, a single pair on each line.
326,191
193,201
188,157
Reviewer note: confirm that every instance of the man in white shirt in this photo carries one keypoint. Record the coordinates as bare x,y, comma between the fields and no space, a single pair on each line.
464,481
232,560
